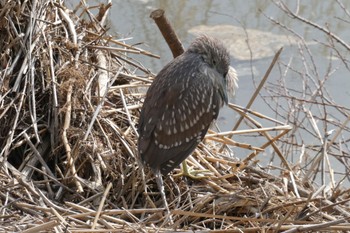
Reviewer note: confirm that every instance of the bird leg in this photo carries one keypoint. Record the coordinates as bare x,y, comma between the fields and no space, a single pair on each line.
193,174
160,185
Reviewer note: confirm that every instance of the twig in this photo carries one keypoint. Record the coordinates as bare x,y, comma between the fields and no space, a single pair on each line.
67,121
98,213
261,84
315,25
37,154
70,24
42,227
168,32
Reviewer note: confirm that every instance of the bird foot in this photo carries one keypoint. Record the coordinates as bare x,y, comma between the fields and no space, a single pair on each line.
192,174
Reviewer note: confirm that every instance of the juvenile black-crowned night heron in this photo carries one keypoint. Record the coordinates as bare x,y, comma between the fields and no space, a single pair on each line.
183,100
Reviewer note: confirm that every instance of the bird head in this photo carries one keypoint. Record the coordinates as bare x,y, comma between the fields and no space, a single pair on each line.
216,56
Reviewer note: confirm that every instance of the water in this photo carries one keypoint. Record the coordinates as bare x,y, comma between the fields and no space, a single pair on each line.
131,19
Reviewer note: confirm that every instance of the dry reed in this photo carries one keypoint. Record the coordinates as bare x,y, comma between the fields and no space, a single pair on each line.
70,101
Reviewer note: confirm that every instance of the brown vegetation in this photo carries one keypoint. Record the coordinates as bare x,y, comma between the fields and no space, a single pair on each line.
69,105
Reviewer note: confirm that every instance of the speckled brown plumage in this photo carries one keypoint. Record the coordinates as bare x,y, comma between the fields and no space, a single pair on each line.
181,103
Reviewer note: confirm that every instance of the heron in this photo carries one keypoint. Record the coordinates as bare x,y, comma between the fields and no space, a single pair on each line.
181,103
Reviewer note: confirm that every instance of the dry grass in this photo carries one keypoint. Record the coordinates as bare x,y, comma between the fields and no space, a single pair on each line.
70,101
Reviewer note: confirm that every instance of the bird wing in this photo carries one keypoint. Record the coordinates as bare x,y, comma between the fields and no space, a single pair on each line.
176,118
